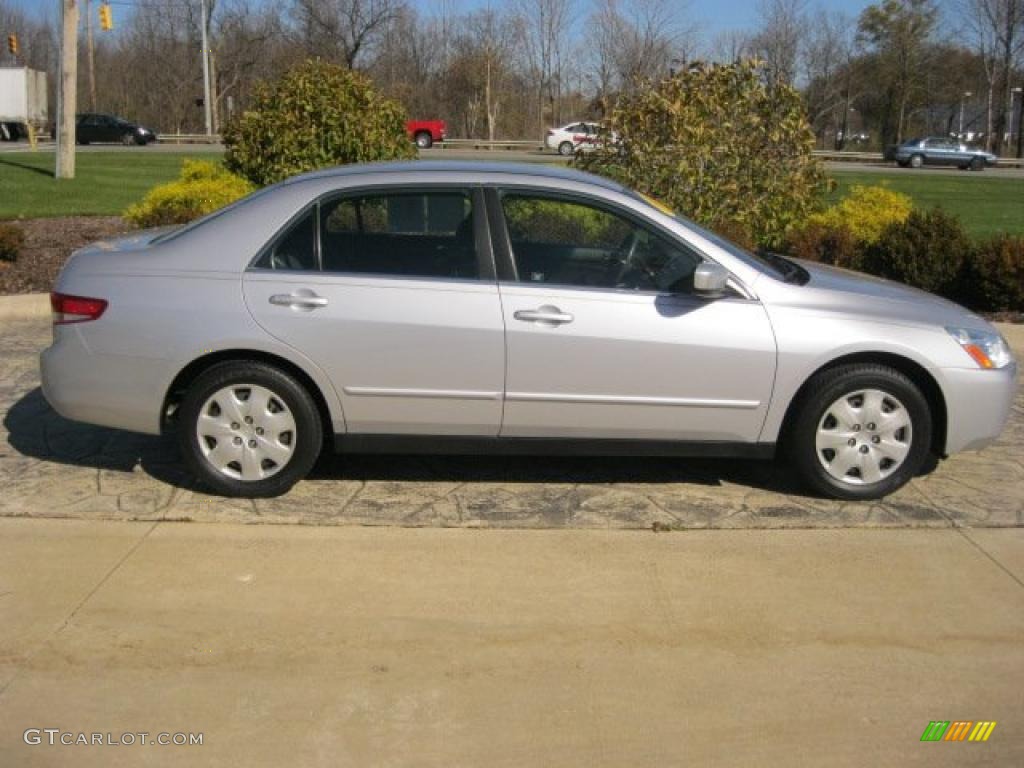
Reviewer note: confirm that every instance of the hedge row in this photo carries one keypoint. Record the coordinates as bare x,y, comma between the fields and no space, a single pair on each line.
926,249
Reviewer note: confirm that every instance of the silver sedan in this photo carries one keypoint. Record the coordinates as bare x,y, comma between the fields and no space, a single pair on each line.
458,307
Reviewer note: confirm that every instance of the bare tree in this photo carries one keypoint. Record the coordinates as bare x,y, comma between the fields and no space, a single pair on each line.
996,29
730,46
545,26
778,41
342,29
827,70
636,41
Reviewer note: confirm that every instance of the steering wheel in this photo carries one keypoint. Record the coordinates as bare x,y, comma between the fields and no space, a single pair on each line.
632,267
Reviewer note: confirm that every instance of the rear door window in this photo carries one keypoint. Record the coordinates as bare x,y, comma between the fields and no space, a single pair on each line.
408,234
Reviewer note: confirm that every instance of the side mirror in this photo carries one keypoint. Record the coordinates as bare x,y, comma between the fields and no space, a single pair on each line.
709,279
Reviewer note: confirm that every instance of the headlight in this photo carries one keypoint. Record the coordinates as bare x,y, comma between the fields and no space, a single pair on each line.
987,349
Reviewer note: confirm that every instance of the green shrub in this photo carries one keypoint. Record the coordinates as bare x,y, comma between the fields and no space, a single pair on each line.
994,274
926,251
315,115
825,243
719,143
735,232
11,241
202,188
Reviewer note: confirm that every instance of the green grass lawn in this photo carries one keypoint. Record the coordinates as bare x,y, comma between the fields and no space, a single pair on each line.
105,183
984,203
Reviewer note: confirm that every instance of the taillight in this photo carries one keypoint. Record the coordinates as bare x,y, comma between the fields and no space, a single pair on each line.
75,309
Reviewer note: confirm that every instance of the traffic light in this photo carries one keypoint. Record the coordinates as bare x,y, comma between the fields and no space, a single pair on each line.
12,44
106,17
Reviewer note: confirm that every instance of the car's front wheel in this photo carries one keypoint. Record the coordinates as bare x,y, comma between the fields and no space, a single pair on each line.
248,429
424,140
916,161
861,432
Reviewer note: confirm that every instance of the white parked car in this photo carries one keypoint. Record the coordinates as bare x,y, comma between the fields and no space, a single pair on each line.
567,139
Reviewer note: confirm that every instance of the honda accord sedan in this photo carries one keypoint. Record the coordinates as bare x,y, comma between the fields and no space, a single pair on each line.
461,307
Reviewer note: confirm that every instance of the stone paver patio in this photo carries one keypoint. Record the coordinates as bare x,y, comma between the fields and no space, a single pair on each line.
51,467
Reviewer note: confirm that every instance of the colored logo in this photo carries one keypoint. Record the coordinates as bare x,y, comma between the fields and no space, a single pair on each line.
958,730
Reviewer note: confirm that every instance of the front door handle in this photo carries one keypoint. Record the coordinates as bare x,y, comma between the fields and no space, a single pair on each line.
546,315
299,300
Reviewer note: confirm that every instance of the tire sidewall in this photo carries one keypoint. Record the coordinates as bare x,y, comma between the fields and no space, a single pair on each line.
916,161
562,146
803,449
309,430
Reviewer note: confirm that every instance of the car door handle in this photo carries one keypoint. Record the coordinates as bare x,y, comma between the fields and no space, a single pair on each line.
545,315
298,300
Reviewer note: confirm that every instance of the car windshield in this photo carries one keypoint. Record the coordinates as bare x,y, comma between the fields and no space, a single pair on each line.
774,264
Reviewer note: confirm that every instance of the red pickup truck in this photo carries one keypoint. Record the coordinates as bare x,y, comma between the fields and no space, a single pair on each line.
425,132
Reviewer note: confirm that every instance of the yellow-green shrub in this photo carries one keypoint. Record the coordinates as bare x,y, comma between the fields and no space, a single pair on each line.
865,212
202,188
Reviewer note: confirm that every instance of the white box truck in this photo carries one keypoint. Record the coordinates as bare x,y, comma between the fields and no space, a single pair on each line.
23,102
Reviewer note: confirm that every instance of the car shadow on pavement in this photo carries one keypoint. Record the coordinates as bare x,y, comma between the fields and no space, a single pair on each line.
36,430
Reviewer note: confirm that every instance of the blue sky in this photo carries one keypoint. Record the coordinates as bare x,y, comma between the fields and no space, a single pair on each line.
711,16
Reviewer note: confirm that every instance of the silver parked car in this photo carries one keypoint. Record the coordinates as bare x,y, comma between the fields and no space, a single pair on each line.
457,307
938,150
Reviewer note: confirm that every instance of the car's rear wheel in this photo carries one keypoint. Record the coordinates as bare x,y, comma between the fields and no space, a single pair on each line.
565,148
916,161
861,432
249,429
424,140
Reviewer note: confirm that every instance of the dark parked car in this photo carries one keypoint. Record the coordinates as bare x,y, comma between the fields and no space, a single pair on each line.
938,150
91,128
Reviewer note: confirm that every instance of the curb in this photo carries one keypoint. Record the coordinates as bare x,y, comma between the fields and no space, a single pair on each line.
24,306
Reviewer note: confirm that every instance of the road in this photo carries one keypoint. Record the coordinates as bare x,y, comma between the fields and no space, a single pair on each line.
531,156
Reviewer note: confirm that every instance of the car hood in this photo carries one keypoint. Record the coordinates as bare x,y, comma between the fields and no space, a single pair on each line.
832,290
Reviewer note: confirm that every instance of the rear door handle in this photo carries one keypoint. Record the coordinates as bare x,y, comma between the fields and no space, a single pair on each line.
304,300
546,315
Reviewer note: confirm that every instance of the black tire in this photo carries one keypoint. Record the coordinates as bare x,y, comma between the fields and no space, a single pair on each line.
566,148
308,427
916,161
424,140
830,386
977,164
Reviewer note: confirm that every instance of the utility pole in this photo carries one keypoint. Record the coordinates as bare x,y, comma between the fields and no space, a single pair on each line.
207,106
68,87
90,45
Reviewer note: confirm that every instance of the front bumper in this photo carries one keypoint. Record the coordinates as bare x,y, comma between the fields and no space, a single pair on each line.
978,405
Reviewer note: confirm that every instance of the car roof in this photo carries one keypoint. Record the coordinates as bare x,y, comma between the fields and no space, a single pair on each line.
416,167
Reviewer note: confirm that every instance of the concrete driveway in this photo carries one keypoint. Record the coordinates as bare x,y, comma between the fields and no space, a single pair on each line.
360,647
50,467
